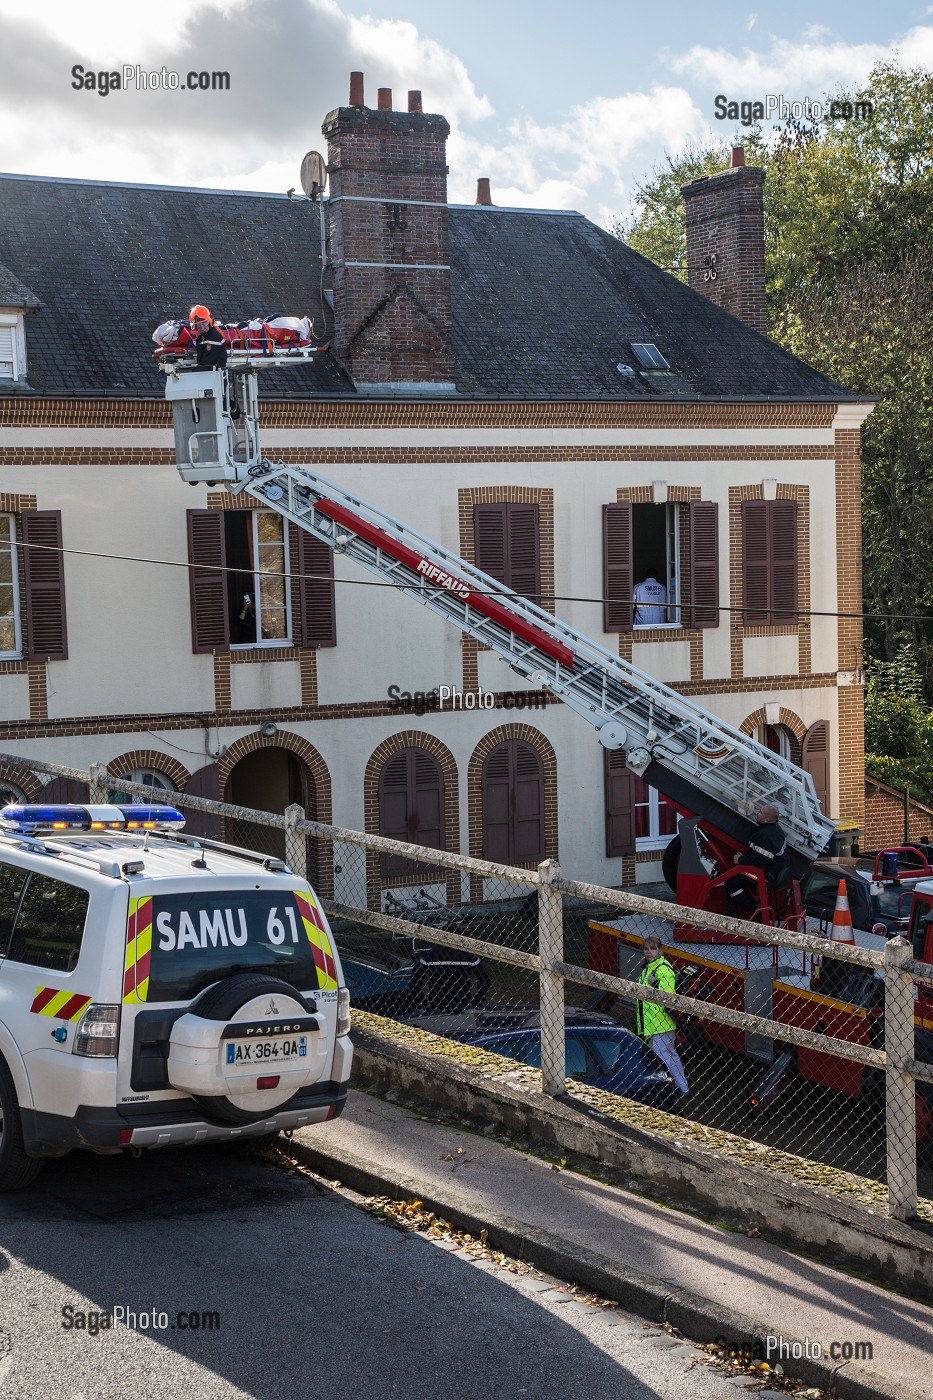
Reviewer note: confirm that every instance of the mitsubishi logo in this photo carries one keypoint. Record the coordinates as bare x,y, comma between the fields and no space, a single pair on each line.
272,1009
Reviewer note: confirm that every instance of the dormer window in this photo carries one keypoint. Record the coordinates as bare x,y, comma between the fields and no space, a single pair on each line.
12,346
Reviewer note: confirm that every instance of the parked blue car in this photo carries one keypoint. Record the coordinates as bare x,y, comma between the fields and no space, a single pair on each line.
608,1057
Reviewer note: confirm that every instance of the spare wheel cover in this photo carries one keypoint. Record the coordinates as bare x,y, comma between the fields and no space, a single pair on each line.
219,1049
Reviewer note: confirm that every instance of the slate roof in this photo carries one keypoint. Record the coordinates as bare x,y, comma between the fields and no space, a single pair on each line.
13,292
545,305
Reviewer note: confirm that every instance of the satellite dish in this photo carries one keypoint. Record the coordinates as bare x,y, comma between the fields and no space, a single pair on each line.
313,175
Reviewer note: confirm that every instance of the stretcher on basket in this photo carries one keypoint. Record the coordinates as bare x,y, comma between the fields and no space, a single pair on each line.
270,335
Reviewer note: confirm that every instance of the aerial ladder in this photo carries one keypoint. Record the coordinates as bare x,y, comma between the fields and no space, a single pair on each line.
715,776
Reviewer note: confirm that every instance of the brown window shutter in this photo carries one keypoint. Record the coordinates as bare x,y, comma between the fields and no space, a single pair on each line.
490,545
507,545
67,790
316,588
704,564
513,804
497,805
784,560
524,573
204,783
756,561
529,805
618,583
620,805
411,807
816,759
210,626
44,578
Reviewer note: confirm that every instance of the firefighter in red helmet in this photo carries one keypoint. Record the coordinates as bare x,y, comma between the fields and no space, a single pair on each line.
209,343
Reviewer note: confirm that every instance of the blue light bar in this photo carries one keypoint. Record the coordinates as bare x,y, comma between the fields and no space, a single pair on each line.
157,815
26,819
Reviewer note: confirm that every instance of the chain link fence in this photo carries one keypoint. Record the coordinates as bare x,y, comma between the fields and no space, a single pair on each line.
804,1048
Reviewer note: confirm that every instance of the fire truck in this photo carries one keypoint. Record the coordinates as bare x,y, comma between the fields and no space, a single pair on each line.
715,777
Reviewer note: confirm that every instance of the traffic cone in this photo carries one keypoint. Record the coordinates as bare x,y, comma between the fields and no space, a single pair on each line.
842,917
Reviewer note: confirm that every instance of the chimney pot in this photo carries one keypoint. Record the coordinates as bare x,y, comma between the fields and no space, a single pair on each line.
356,90
738,156
483,195
414,100
384,100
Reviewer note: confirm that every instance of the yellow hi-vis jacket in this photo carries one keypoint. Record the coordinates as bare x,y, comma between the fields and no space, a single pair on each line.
650,1019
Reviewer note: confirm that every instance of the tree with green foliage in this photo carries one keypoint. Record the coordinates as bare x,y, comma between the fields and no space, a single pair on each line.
849,267
898,725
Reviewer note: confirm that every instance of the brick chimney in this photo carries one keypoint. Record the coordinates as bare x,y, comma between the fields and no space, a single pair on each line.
389,243
726,240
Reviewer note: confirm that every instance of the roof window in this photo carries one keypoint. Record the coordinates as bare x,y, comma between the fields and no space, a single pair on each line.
648,355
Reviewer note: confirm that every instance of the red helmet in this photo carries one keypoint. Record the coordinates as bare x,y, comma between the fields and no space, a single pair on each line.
199,314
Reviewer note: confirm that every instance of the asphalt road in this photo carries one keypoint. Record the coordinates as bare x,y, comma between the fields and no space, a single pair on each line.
315,1298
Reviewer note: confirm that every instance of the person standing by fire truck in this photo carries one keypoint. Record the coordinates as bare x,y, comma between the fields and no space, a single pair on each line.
654,1024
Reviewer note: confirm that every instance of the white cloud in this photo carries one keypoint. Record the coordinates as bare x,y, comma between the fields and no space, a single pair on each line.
751,21
812,65
289,63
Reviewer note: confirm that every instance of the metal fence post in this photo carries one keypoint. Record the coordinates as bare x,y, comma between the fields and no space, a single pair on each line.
296,846
900,1090
551,951
100,783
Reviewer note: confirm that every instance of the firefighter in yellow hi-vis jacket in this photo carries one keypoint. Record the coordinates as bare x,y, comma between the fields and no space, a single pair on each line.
655,1025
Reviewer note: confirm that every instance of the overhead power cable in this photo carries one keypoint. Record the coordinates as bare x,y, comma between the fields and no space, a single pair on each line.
778,613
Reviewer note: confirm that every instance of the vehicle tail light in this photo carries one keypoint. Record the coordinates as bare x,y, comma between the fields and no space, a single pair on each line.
343,1012
98,1031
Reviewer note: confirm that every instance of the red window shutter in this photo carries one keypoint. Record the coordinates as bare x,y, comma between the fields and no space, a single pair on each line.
524,573
44,577
316,589
756,561
210,626
507,545
618,583
513,804
704,564
411,807
816,759
620,805
784,560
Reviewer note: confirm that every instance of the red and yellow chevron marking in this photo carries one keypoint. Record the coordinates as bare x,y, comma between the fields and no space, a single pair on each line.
321,950
66,1006
138,950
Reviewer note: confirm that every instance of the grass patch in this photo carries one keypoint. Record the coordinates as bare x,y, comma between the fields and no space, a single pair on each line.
833,1181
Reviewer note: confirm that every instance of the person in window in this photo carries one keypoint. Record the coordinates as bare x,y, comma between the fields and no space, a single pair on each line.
246,619
210,346
767,851
653,1023
650,601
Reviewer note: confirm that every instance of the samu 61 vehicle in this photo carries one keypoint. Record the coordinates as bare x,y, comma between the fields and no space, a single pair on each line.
157,989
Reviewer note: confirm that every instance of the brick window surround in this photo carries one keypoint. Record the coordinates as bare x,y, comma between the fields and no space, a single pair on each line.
546,753
395,743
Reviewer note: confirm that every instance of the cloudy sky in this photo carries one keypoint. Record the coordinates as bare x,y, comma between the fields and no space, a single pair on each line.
561,105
